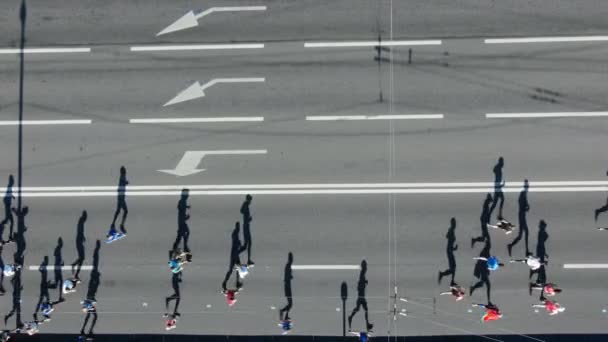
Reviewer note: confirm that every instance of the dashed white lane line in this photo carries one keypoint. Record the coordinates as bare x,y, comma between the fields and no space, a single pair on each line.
586,266
545,115
45,122
545,40
46,50
63,268
325,267
195,47
373,117
198,120
371,43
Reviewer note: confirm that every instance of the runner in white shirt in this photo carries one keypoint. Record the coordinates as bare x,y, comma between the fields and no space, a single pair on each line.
533,262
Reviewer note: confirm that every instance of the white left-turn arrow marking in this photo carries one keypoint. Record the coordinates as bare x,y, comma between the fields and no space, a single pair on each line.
190,19
188,164
196,90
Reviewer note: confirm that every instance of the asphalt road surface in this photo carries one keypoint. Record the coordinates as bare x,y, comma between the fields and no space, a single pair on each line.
333,193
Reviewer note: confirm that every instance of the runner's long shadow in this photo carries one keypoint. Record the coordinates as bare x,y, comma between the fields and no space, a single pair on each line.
235,249
361,298
482,273
287,278
44,296
80,243
499,182
450,249
484,220
247,218
541,250
524,207
121,200
19,259
8,214
58,263
94,282
183,231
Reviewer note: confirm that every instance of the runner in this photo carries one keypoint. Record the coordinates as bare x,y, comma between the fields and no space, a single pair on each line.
30,328
553,308
69,285
492,262
114,235
504,225
88,306
455,290
533,262
286,325
364,336
177,259
10,269
171,320
548,289
492,313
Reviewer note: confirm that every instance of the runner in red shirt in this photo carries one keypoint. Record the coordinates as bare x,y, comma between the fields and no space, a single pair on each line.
548,289
553,308
230,294
492,312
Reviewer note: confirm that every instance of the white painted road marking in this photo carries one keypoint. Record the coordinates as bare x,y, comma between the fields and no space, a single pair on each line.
45,50
193,47
187,165
519,185
63,268
373,117
195,120
314,189
44,122
586,266
371,43
545,115
190,19
196,90
546,40
300,192
325,267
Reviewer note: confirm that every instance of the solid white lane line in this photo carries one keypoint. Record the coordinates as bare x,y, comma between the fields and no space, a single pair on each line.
195,47
545,115
356,191
371,43
545,40
134,188
195,120
586,266
325,267
45,122
373,117
45,50
63,268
